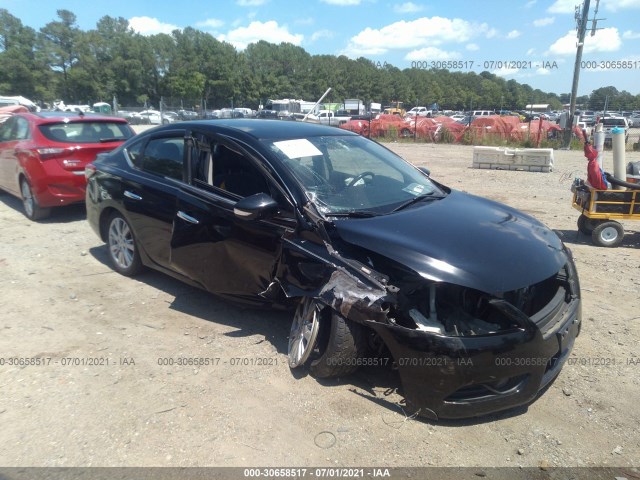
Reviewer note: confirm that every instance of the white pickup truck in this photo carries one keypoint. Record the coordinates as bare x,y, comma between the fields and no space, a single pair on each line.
609,123
329,117
420,111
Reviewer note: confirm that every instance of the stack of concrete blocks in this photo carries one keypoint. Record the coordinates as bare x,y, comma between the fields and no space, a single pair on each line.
502,158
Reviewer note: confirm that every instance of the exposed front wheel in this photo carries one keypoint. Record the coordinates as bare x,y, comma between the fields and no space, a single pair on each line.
123,251
329,343
608,234
304,332
32,210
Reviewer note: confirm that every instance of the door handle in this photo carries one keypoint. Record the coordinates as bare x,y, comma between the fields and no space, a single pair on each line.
187,218
132,196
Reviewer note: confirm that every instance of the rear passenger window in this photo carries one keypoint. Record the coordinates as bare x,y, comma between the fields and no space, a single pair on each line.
14,128
161,156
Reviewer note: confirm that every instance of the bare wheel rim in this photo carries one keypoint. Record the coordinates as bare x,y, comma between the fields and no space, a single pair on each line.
121,246
609,235
304,331
27,198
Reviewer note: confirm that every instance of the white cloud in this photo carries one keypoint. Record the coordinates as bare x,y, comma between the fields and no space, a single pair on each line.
322,34
492,32
605,40
513,34
151,26
431,53
563,6
530,3
250,3
629,35
210,23
422,32
269,31
472,47
543,71
614,6
407,7
543,22
342,3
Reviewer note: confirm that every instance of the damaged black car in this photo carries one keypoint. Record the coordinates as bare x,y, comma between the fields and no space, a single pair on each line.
476,303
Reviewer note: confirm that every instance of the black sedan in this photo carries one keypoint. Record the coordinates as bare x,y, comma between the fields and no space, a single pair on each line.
476,303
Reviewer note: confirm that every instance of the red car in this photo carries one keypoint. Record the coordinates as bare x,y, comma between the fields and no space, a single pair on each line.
43,155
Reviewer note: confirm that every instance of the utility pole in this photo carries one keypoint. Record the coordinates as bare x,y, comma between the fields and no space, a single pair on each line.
581,20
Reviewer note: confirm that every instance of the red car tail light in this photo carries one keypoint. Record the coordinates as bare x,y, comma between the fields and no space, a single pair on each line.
89,170
49,152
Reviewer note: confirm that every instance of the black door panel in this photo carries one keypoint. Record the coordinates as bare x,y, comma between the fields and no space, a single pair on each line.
151,206
224,254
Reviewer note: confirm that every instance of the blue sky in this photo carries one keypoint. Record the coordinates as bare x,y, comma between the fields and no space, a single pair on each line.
519,33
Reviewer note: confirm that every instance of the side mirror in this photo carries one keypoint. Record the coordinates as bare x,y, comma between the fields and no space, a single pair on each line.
425,170
255,207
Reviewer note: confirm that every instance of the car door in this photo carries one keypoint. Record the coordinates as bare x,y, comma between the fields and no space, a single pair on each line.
210,244
149,194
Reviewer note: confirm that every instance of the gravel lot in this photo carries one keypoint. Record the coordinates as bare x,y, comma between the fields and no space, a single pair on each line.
60,300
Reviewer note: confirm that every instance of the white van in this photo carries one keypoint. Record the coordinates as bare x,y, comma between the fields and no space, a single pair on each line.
482,113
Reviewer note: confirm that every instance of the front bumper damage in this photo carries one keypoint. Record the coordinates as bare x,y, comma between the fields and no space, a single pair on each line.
459,377
446,374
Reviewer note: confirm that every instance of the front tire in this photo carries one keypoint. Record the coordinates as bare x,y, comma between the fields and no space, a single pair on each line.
608,234
123,251
32,210
329,344
338,355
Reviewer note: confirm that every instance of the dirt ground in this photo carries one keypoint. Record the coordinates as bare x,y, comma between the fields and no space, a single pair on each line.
103,397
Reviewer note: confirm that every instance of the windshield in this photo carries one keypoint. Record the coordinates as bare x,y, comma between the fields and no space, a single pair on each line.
350,174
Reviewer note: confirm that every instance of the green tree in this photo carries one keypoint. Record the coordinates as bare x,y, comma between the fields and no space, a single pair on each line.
57,43
20,73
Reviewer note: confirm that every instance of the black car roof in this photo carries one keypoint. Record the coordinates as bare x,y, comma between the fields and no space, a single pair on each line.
266,129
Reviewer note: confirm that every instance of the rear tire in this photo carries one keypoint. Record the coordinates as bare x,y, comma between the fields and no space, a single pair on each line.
608,234
123,250
32,210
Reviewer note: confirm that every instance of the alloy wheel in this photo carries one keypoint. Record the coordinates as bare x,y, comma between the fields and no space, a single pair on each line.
121,245
304,331
27,198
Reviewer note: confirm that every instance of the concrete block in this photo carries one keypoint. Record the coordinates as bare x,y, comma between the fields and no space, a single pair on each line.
526,159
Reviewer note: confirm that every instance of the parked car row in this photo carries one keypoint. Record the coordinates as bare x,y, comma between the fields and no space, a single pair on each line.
151,117
477,304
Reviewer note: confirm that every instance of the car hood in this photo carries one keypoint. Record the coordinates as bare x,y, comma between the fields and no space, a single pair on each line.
463,239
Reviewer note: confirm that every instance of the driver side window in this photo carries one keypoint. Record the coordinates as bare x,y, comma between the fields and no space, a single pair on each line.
221,167
216,166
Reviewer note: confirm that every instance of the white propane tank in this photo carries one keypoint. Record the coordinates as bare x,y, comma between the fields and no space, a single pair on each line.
618,145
